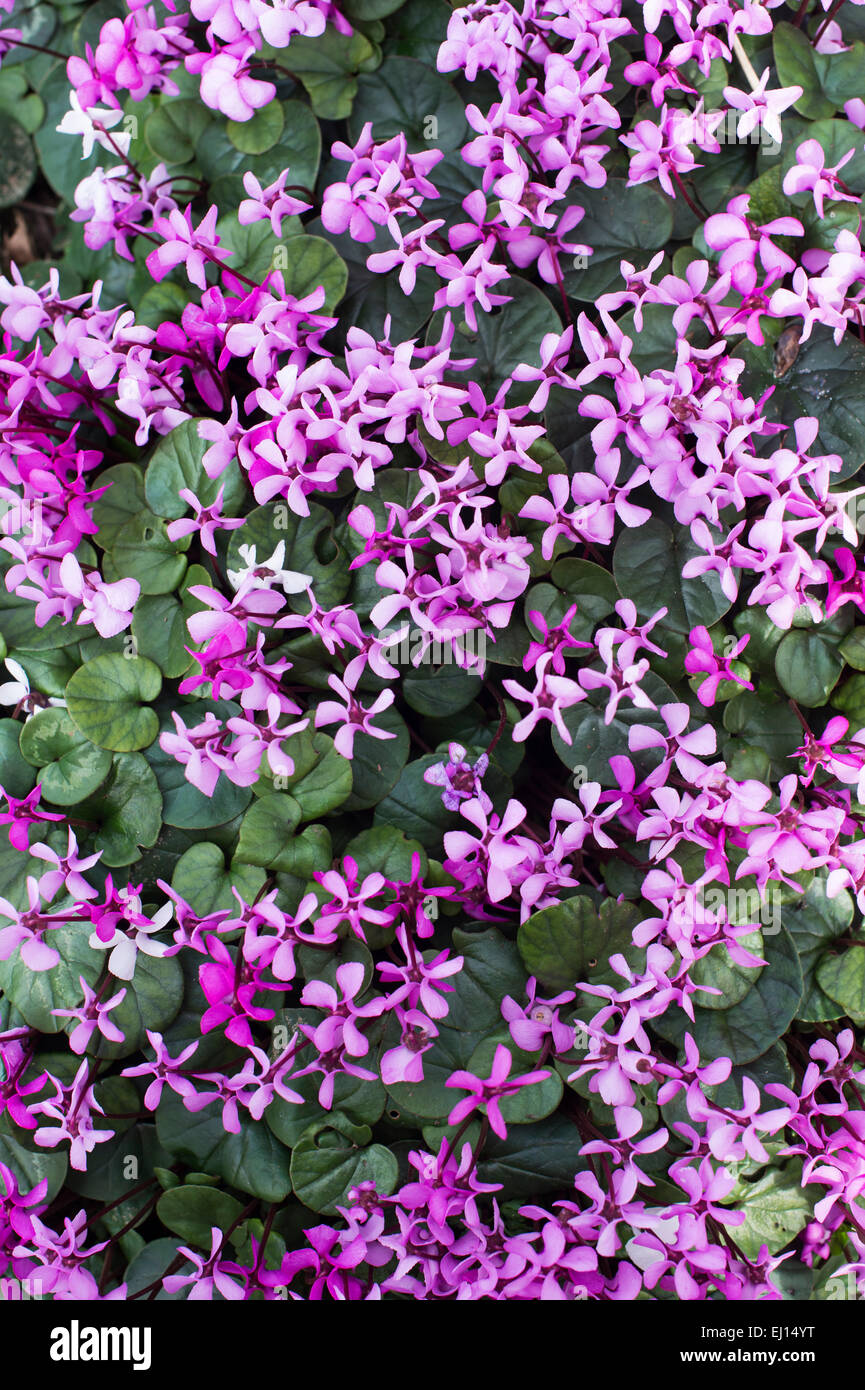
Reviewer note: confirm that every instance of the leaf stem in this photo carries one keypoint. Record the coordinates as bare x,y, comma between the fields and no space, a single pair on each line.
745,62
691,204
827,21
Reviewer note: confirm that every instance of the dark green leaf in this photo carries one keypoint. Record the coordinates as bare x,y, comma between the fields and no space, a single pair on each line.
796,63
533,1161
191,1211
777,1207
321,779
121,502
506,337
184,805
308,262
571,942
253,1160
18,775
648,563
359,1101
260,133
752,1026
36,992
127,811
30,1168
328,66
808,667
17,162
71,766
719,971
619,222
842,978
267,826
176,463
175,127
853,649
159,629
202,878
108,698
322,1177
416,807
143,551
405,97
813,922
385,850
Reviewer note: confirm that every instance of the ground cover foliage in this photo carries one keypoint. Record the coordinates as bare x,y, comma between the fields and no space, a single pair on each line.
433,765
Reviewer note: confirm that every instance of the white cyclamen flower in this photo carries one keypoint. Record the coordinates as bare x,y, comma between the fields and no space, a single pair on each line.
81,122
18,689
266,573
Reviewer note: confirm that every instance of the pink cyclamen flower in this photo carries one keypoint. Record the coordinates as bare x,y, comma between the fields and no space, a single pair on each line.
271,203
761,108
533,1023
353,717
91,1015
227,84
488,1093
107,606
186,245
205,522
702,657
209,1276
811,174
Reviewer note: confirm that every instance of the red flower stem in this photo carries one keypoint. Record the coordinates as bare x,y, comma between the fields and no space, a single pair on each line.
827,21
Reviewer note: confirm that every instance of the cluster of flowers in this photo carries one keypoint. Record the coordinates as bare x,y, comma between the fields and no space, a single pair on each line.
449,561
137,55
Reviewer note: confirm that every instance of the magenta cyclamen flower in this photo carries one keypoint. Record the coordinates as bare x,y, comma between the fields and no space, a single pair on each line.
702,657
14,1203
340,1028
498,1085
205,522
552,694
22,814
165,1071
71,1107
231,993
27,928
185,245
92,1016
209,1275
533,1023
405,1061
226,82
